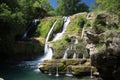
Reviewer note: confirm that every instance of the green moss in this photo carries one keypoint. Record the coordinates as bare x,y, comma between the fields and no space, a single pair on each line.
44,26
80,20
71,62
58,25
59,47
57,28
80,69
76,25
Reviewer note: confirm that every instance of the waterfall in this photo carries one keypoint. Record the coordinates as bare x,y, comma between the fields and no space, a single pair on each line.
76,41
30,26
82,32
74,56
59,35
25,35
57,74
85,53
47,50
91,73
65,54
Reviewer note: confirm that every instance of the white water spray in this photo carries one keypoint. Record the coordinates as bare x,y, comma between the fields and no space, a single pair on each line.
65,54
59,35
47,50
74,56
34,22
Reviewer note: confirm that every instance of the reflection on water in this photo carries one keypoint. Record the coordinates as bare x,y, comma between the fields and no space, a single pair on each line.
26,72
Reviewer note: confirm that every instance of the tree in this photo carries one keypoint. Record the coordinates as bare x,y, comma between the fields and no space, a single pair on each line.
69,7
15,15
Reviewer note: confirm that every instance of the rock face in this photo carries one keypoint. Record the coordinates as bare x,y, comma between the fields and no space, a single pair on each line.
77,67
107,61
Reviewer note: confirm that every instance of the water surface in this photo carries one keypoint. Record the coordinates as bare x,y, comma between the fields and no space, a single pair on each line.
29,71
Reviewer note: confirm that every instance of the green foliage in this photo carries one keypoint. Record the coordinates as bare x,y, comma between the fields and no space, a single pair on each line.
59,48
99,28
57,28
69,7
34,8
15,15
80,20
111,6
58,25
60,44
51,13
75,26
44,27
12,23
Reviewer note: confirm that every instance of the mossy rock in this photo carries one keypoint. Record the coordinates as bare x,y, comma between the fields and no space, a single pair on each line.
82,69
52,66
59,54
71,62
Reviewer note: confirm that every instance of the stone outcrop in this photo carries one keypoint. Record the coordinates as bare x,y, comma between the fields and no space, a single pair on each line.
107,61
78,67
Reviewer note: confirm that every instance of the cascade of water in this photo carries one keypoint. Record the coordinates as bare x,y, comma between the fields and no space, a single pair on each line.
59,35
88,15
91,76
47,50
74,56
76,41
48,55
82,32
85,54
25,35
32,24
65,54
57,74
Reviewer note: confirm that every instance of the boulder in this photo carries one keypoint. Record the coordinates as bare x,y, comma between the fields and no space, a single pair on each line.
107,60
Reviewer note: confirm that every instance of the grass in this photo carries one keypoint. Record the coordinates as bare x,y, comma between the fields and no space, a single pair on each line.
44,27
76,24
60,44
57,28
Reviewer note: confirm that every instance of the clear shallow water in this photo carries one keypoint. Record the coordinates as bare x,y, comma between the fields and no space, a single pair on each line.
30,72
